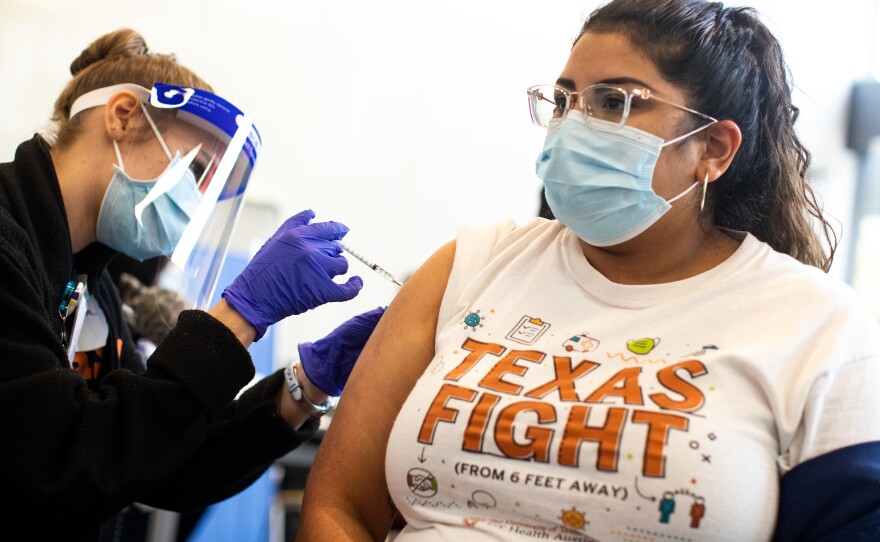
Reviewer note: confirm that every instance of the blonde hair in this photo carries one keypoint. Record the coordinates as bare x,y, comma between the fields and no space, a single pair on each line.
121,56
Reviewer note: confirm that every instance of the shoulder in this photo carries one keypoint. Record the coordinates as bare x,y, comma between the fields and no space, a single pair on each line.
488,251
16,212
478,244
14,240
822,305
508,231
810,283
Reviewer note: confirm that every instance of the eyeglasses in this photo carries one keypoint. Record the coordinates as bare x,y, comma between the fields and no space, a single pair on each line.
550,104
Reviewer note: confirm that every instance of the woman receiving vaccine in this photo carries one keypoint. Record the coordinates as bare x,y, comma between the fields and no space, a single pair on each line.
665,361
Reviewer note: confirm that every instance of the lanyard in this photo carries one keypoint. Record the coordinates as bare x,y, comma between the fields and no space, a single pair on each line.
72,301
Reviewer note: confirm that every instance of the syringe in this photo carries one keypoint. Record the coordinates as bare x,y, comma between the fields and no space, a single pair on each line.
371,265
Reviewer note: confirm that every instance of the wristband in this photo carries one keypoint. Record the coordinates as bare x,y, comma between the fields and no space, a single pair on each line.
299,396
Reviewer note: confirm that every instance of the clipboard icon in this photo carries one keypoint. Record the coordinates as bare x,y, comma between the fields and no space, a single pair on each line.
528,330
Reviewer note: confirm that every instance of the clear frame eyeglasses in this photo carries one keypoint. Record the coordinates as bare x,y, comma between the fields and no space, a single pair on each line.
550,104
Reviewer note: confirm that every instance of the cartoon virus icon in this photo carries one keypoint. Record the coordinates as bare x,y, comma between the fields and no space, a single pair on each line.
473,319
573,518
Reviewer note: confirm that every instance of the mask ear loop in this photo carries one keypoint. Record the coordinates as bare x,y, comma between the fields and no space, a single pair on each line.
705,186
118,156
156,131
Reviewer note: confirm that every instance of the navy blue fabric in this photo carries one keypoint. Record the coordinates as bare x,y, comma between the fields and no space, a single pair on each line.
833,497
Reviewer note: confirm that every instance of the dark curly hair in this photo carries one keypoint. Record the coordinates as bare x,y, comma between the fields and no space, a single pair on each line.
732,67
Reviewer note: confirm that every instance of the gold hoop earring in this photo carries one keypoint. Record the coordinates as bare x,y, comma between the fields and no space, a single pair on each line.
705,186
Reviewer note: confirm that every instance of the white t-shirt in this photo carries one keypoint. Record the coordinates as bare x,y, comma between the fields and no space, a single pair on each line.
562,406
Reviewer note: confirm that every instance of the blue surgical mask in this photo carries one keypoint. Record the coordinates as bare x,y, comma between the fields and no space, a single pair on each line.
598,180
154,227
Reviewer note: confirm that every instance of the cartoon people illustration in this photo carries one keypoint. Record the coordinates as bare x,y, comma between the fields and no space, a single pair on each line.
667,506
698,510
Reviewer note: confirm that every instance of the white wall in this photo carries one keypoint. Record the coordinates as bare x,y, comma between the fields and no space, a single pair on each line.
400,118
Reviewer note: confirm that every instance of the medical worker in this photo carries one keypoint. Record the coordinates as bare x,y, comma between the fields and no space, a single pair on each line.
146,161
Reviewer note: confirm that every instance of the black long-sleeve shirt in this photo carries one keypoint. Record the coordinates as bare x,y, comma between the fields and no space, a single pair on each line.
72,452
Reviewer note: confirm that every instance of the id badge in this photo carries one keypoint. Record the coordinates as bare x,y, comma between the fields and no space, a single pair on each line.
79,316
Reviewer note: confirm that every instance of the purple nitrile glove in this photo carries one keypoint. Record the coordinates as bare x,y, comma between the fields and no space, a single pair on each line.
329,361
292,272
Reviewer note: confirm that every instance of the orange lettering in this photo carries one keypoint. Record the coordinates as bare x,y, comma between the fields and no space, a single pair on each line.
659,424
477,350
608,436
493,380
438,412
669,379
538,445
565,377
476,428
630,390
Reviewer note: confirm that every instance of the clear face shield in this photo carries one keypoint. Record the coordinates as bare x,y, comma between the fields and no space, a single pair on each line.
186,213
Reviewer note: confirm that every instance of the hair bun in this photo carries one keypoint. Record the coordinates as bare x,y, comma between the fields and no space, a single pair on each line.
120,43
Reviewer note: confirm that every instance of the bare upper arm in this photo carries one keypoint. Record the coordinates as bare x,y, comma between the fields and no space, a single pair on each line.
346,488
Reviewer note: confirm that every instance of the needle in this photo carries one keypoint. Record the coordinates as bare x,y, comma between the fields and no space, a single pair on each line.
375,267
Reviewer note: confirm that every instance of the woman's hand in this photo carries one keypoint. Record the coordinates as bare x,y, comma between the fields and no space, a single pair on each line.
292,273
327,362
